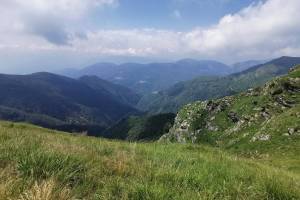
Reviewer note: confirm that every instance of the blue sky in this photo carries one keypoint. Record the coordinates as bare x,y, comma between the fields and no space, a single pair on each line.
47,35
167,14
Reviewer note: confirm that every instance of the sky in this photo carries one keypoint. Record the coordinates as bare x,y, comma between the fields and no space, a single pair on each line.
47,35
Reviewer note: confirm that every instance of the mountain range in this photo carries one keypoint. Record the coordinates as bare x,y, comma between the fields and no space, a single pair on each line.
88,104
210,87
244,65
246,146
99,107
152,77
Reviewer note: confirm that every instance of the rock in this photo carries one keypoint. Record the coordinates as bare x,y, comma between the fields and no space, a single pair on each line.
246,118
211,106
291,131
210,127
291,86
184,125
262,137
266,115
233,116
282,102
252,92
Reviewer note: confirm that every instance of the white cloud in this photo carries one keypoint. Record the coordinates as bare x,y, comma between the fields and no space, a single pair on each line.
261,30
268,29
49,19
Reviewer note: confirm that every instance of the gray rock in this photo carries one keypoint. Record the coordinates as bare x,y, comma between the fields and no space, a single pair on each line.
291,131
233,116
262,137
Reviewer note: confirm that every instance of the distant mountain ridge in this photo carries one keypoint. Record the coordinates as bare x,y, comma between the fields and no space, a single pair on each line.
63,103
241,66
210,87
152,77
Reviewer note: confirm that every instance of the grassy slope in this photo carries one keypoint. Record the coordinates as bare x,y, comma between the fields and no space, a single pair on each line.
141,128
37,163
262,126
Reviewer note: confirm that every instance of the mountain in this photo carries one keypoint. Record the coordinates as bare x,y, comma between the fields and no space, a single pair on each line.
62,103
262,119
143,128
204,88
241,66
148,78
120,93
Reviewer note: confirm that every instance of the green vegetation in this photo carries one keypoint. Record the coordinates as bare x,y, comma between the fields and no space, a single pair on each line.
120,93
247,147
52,101
206,88
42,164
145,128
263,122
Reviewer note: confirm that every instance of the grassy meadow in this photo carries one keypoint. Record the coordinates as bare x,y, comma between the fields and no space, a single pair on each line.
41,164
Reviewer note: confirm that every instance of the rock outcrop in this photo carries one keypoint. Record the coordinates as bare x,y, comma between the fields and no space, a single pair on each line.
257,115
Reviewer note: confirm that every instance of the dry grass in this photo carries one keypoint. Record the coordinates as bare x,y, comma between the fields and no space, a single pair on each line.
38,164
46,190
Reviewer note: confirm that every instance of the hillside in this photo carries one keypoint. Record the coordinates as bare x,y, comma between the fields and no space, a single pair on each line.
141,128
205,88
264,120
148,78
120,93
61,103
37,163
242,66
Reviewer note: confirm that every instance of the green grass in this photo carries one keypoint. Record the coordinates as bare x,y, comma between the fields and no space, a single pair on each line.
254,124
37,163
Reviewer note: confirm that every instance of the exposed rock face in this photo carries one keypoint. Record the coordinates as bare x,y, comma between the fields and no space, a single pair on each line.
233,116
251,116
191,120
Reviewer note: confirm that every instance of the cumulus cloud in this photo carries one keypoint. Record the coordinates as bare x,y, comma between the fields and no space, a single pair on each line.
49,19
267,29
263,30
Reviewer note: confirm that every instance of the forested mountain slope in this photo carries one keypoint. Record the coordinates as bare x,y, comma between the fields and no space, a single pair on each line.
204,88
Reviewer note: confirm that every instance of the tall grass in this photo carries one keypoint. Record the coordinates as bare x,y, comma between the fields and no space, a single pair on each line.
40,164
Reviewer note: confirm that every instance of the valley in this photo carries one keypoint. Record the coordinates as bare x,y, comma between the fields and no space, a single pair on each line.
244,146
211,87
87,105
149,100
152,77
